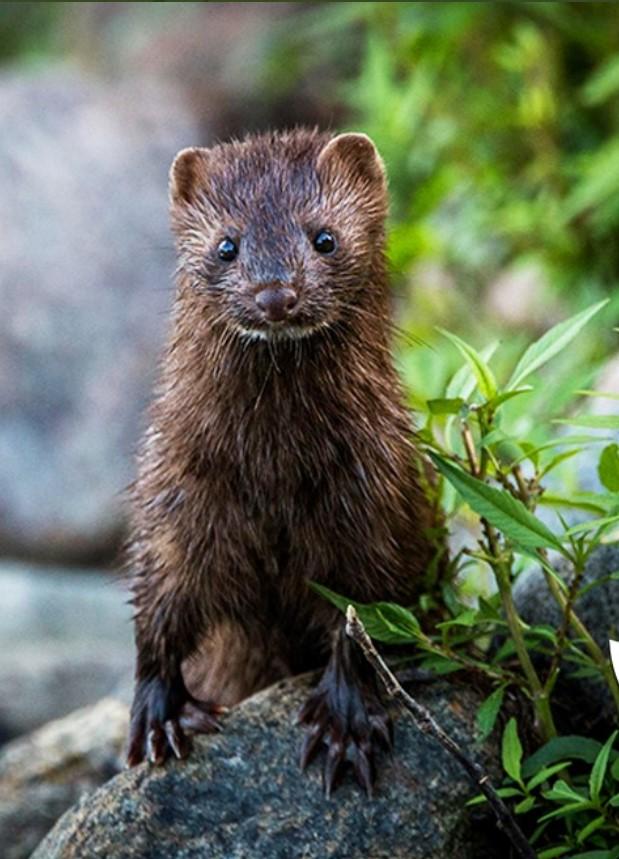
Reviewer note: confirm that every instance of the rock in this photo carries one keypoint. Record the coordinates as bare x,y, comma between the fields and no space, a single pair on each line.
86,268
45,773
65,641
584,702
241,795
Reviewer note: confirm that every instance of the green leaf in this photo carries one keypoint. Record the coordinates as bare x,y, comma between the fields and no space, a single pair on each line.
440,664
562,792
570,747
566,810
501,509
610,422
593,525
596,854
508,395
557,460
551,343
524,806
530,451
383,621
469,617
488,712
463,382
596,779
484,375
511,751
605,395
608,467
503,792
554,852
603,83
591,827
545,773
445,406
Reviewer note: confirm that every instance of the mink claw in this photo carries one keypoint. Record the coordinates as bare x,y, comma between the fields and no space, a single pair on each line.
312,741
381,727
199,717
177,739
363,765
156,745
336,756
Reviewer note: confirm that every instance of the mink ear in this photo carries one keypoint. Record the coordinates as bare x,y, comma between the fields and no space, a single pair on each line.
356,155
189,172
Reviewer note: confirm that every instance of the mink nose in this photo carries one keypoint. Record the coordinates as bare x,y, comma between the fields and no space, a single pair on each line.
276,302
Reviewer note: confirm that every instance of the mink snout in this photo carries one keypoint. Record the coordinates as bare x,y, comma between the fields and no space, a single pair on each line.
276,302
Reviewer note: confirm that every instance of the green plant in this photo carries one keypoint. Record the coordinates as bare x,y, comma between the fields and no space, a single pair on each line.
493,474
570,780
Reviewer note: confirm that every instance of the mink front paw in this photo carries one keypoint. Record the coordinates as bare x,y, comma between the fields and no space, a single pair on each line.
350,723
161,715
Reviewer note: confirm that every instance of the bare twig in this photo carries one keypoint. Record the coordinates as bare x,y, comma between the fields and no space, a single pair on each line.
427,725
469,446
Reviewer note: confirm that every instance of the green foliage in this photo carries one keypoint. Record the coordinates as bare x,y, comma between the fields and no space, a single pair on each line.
574,798
493,467
500,129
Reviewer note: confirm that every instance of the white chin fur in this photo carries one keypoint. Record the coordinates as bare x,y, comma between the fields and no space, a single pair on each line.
292,332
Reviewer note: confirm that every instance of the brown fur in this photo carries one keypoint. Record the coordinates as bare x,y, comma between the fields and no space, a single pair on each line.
271,462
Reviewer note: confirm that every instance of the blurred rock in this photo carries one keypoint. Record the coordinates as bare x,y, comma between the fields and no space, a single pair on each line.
240,794
85,279
583,704
517,296
45,773
235,62
65,641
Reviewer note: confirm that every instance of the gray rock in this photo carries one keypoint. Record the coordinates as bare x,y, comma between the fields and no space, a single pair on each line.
585,701
241,795
45,773
85,280
65,641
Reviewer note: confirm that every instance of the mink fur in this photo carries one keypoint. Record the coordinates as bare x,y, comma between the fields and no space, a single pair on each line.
276,454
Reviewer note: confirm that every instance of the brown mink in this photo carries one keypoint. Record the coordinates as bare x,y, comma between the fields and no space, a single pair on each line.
279,450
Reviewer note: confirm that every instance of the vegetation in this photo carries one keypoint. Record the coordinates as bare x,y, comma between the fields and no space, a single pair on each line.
500,130
497,473
499,125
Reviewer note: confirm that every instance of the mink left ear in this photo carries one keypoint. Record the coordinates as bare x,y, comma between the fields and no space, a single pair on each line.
355,155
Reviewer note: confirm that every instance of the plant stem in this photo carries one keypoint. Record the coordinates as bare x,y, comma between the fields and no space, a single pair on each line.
541,699
427,725
581,630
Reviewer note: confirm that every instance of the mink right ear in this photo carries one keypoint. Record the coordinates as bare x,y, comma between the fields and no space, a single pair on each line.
354,155
189,172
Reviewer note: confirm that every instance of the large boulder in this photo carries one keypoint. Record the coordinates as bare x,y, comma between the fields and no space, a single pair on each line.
65,641
43,774
86,268
241,794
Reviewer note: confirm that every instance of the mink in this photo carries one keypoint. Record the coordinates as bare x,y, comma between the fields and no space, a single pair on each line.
280,451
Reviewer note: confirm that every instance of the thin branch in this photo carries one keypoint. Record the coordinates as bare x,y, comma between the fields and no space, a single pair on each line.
427,725
469,446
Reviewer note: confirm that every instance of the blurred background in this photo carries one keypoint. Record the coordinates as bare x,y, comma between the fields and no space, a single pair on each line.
499,124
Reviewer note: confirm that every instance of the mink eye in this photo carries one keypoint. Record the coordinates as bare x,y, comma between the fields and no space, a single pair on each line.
324,242
227,250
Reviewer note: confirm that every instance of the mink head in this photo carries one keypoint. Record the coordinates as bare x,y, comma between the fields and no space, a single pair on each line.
280,235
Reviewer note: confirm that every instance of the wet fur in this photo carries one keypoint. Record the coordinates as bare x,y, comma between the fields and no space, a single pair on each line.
272,460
